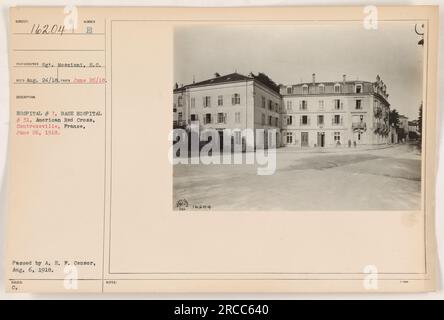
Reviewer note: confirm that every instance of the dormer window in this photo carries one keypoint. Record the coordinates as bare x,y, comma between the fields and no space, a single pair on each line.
337,88
289,90
321,88
358,88
304,89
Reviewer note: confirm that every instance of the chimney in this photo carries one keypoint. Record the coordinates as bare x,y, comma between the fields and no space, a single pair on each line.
314,78
344,78
177,85
216,75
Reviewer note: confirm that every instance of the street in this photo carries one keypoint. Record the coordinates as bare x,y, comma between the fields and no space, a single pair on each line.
387,178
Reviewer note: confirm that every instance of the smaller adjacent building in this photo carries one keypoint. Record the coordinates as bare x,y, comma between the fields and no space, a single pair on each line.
414,133
403,131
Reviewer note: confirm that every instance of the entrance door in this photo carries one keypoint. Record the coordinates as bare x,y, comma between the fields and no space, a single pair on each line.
304,139
321,139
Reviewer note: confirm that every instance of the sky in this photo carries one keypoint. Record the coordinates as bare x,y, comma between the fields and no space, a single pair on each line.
291,53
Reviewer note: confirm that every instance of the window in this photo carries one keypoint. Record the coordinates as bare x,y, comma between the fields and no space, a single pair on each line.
289,90
337,104
304,105
193,102
289,105
263,102
337,88
337,119
237,117
180,101
270,119
337,136
304,120
207,118
358,88
289,120
193,117
235,99
321,88
220,100
276,122
361,118
270,104
320,120
289,137
207,101
263,119
220,117
179,116
321,104
358,105
305,89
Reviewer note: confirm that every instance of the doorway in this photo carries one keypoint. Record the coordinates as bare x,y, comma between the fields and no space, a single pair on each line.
321,139
304,139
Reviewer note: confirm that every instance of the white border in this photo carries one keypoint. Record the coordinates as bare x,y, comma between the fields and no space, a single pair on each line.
4,123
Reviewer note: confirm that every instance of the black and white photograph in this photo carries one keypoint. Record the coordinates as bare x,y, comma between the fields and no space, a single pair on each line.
295,117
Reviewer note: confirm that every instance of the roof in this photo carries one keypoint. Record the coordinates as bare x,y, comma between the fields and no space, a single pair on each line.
326,83
232,77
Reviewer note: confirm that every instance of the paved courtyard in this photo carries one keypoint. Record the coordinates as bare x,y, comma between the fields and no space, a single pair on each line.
386,178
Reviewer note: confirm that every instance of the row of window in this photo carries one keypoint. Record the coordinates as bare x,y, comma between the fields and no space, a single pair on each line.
235,100
321,89
305,120
206,101
304,137
337,105
217,118
273,106
271,121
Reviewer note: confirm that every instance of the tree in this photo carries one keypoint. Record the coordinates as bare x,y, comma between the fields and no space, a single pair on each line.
394,118
420,120
262,77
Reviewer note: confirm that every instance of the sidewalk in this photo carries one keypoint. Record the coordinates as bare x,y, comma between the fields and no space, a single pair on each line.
341,149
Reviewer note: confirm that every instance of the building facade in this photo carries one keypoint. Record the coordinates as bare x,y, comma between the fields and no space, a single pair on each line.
403,128
315,114
320,114
233,101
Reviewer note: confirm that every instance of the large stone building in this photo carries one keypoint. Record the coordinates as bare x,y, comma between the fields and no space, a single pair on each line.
335,113
233,101
314,114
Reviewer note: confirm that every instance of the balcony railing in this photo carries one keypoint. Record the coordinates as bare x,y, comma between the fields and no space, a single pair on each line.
359,125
